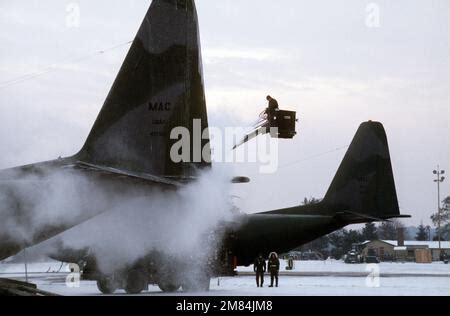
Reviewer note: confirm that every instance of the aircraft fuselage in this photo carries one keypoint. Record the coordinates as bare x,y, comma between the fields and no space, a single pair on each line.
262,234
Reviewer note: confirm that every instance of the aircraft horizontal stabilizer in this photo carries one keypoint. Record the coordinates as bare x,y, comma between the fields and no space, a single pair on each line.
353,217
122,173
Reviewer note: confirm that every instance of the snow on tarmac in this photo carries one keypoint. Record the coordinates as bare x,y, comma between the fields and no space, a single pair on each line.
309,278
339,266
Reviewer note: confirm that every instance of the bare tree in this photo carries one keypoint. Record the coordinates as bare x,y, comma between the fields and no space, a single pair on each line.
390,230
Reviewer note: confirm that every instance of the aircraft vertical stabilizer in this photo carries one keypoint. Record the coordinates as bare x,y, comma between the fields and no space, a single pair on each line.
364,183
159,87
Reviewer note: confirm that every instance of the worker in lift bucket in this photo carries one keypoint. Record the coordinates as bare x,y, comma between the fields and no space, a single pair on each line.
272,108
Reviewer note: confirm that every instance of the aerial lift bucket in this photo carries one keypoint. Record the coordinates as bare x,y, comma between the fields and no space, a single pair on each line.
284,122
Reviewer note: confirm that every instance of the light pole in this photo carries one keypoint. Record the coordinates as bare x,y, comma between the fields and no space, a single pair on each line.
439,178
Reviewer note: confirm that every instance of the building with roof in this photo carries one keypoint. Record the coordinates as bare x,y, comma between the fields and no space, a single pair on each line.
409,250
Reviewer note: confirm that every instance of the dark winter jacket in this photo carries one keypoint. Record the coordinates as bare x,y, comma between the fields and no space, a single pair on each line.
274,263
273,104
260,265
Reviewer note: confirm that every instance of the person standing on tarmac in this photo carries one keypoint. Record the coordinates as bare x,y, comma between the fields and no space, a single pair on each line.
259,267
274,268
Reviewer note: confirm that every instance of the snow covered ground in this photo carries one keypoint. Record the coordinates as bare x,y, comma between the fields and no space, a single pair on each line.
311,278
339,267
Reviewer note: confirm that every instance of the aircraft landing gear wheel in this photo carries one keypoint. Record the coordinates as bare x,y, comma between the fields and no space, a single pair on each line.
167,286
168,279
106,286
136,282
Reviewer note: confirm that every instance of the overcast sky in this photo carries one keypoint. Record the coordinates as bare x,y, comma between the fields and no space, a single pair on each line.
318,57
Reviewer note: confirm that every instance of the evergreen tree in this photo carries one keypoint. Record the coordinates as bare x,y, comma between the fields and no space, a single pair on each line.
320,246
336,242
422,234
310,201
342,241
369,232
351,237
